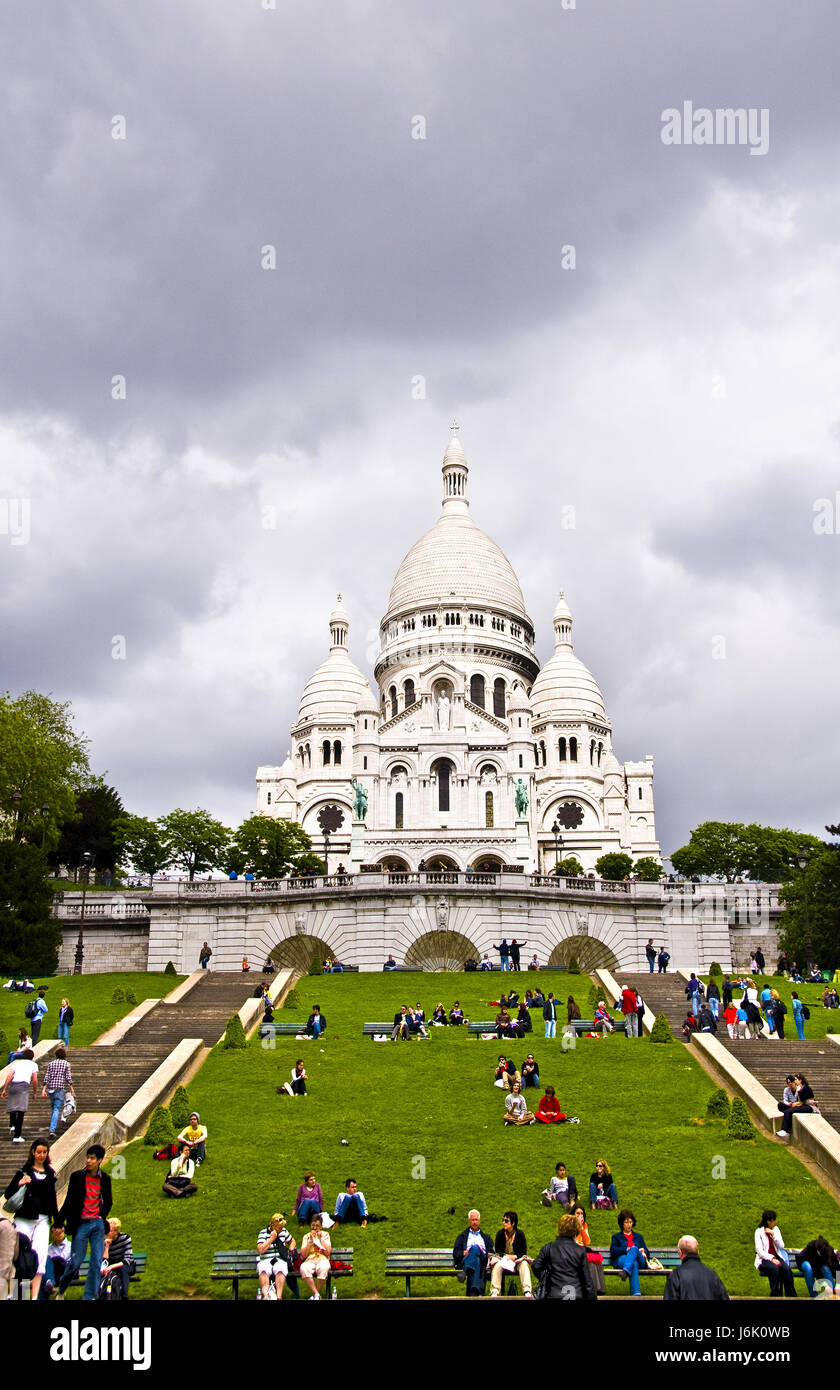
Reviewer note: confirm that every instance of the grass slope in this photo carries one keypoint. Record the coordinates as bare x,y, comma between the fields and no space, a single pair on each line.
90,996
412,1108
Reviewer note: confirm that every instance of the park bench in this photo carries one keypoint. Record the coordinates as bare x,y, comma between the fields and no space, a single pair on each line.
588,1025
282,1030
375,1030
668,1256
235,1265
81,1276
429,1264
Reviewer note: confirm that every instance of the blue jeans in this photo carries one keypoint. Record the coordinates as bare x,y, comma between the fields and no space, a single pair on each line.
352,1210
533,1079
714,1005
57,1099
611,1192
550,1027
475,1263
93,1232
64,1033
651,963
809,1276
800,1026
630,1262
695,1002
504,962
308,1209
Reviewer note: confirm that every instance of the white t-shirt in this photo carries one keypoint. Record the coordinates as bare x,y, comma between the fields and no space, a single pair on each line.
23,1070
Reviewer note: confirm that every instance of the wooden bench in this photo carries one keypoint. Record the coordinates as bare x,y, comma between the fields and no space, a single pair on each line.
235,1265
419,1264
668,1256
81,1275
281,1030
375,1030
588,1025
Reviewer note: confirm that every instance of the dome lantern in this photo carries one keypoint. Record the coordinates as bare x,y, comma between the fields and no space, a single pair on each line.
455,473
339,626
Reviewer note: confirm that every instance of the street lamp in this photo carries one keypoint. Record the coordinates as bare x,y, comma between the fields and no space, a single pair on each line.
80,944
802,858
17,798
558,840
44,813
326,851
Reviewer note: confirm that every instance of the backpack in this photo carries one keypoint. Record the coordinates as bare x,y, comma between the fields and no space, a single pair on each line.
110,1287
30,1011
806,1012
26,1261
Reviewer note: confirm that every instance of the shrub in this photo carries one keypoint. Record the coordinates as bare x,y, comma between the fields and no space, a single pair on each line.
169,969
740,1124
180,1109
718,1107
714,969
292,1000
315,965
159,1131
234,1033
661,1030
118,997
573,967
130,997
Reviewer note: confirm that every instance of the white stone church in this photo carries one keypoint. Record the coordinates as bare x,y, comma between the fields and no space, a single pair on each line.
470,755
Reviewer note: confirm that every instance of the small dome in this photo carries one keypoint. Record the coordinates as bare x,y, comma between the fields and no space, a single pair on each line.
335,692
562,610
454,452
339,613
564,686
519,702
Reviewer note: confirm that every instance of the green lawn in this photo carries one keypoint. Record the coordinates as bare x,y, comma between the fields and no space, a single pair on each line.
822,1020
412,1108
90,996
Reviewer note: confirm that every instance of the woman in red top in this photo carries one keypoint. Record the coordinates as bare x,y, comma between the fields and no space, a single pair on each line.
548,1110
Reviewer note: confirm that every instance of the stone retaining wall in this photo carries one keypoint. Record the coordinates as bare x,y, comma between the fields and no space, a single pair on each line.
111,947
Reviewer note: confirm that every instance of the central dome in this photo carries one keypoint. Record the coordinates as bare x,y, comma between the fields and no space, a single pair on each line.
456,559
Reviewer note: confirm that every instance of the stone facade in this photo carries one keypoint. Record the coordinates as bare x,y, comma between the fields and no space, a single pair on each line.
108,947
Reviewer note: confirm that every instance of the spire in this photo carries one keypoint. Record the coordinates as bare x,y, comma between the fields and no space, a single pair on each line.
455,474
339,624
562,624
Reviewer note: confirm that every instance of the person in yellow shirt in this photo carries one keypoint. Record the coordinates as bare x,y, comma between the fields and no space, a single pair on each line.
195,1135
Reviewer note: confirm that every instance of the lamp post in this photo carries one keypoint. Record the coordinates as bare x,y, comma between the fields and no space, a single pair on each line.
44,813
80,944
326,852
17,798
803,858
558,840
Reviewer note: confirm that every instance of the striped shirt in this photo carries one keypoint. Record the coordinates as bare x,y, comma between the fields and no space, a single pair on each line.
279,1250
57,1076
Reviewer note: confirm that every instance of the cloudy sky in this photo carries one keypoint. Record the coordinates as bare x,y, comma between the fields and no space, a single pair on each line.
678,387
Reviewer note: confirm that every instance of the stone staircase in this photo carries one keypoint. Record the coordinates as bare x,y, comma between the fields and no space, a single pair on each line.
105,1078
769,1059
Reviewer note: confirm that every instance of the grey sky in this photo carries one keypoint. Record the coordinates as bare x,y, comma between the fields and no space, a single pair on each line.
678,388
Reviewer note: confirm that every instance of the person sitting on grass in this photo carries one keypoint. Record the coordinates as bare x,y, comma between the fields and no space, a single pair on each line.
549,1112
350,1205
316,1023
562,1189
456,1014
602,1189
275,1245
818,1260
771,1258
298,1084
506,1073
628,1251
516,1111
195,1134
181,1172
309,1201
530,1072
523,1018
439,1019
315,1258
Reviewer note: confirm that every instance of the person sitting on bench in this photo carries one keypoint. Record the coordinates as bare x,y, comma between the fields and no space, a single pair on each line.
316,1023
602,1019
350,1205
181,1171
400,1028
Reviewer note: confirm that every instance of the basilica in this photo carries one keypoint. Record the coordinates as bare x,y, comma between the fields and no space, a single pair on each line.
469,755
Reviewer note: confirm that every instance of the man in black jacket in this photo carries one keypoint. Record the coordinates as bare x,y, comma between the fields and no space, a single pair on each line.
84,1214
565,1264
693,1281
316,1023
471,1252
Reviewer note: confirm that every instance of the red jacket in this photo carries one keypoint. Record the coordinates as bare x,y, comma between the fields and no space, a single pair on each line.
629,1003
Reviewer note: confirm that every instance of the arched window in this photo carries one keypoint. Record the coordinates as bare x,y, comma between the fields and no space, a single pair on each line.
443,771
640,793
488,810
477,690
562,750
600,751
398,771
325,752
499,698
592,750
573,750
268,802
398,811
409,693
337,753
308,753
542,751
393,696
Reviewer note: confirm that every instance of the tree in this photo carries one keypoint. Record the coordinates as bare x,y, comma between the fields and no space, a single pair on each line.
729,850
821,883
234,1034
143,843
740,1124
648,870
91,830
568,868
267,847
160,1132
29,937
661,1030
310,864
718,1106
43,762
614,866
196,841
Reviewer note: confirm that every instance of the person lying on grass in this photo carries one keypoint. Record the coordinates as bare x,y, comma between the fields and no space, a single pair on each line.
516,1111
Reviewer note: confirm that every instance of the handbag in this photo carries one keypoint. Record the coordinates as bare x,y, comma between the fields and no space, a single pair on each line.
69,1107
15,1202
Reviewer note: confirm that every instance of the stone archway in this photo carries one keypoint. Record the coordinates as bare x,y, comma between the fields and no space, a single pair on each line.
590,954
440,950
296,952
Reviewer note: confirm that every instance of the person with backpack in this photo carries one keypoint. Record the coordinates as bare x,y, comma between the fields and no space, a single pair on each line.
84,1214
778,1009
801,1012
35,1011
37,1208
118,1263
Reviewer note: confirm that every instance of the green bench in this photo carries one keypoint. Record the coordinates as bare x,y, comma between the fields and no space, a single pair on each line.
419,1264
668,1256
375,1030
281,1030
81,1275
235,1265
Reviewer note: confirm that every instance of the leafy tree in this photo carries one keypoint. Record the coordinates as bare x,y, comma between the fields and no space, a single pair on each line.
614,866
180,1108
310,864
267,847
143,843
196,841
648,870
821,883
91,829
729,850
568,868
29,938
715,969
43,762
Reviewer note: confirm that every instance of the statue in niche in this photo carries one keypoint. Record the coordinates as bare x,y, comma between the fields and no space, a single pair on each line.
521,798
360,799
443,711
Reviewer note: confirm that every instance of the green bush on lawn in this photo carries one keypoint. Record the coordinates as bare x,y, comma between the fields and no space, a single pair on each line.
315,965
740,1124
292,1000
718,1107
160,1131
234,1033
714,969
118,997
180,1109
130,997
661,1030
573,967
169,969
